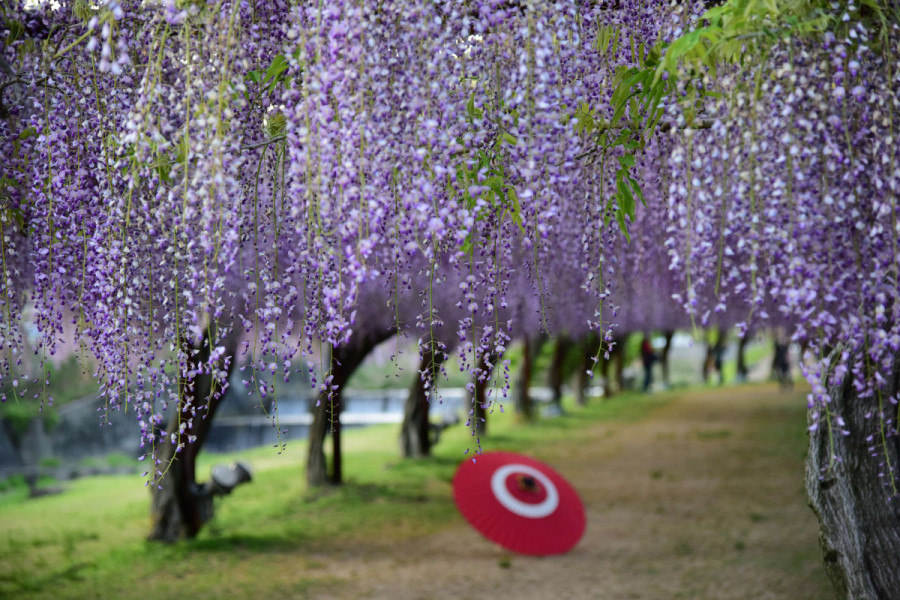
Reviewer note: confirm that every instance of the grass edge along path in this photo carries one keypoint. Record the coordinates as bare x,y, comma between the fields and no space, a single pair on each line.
89,542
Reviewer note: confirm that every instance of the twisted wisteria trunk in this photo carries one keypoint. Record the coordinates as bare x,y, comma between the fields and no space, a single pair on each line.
531,347
179,509
316,466
589,348
327,412
852,495
605,364
478,397
415,441
557,371
582,381
707,358
715,346
742,370
664,356
524,408
618,358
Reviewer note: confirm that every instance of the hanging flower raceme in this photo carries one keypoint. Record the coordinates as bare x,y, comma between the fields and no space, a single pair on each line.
199,173
790,201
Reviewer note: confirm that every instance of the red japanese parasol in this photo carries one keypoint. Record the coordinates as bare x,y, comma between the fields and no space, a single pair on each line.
520,503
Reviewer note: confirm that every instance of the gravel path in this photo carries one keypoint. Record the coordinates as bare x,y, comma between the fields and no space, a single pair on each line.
701,499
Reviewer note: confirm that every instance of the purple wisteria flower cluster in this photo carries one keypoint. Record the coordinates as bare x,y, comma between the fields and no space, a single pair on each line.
788,203
245,179
254,182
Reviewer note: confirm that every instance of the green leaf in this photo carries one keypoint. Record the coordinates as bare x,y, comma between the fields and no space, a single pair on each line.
656,95
16,215
279,65
625,197
620,109
623,82
16,30
495,184
624,137
273,75
584,119
604,38
716,12
509,139
163,168
707,93
617,116
625,88
473,111
490,198
484,161
515,117
637,189
27,133
181,151
627,160
679,48
516,211
653,56
620,217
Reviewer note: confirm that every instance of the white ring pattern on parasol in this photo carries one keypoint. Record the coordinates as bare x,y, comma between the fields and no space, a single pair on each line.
514,505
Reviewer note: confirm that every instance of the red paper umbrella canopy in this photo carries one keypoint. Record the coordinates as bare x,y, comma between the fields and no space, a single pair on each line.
520,503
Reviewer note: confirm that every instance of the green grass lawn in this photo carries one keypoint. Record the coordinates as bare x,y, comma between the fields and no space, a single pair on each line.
89,541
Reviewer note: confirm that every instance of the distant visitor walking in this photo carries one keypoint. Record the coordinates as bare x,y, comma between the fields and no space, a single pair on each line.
781,363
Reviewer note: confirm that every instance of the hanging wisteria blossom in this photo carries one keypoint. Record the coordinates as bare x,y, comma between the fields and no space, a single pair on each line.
202,169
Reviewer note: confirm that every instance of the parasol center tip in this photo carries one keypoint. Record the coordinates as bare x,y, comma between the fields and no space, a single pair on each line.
527,483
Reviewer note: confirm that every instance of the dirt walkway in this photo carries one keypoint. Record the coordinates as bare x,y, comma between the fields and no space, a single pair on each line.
702,499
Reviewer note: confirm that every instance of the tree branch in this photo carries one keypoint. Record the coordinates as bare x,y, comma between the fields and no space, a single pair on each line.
277,138
663,127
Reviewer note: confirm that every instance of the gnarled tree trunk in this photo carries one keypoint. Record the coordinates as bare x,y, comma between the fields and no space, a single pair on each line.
860,521
531,347
618,358
479,397
715,346
664,356
605,363
742,370
327,412
415,441
589,349
708,358
557,371
524,407
316,466
179,509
